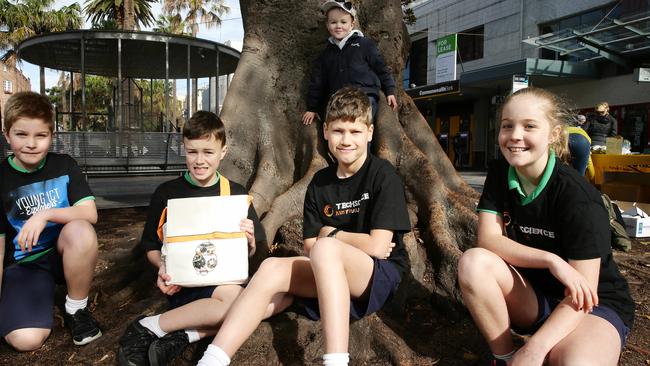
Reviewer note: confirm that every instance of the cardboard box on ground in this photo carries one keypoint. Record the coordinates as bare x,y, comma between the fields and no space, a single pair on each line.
635,215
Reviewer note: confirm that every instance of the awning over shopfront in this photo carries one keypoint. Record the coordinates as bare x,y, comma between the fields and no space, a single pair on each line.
616,40
531,67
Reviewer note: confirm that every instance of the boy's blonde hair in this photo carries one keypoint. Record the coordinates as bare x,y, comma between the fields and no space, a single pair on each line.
348,104
203,123
28,105
557,113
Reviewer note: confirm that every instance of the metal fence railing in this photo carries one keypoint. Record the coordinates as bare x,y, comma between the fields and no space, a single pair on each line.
120,152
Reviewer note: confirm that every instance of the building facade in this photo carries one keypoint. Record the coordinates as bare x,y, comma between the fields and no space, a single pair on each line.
588,51
13,81
206,101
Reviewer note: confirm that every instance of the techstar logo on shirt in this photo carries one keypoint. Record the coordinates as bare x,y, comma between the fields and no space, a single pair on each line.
345,208
328,210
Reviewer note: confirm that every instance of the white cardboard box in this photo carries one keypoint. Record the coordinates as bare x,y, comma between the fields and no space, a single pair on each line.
637,227
637,222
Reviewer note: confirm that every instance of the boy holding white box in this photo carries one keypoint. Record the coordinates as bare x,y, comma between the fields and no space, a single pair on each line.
195,312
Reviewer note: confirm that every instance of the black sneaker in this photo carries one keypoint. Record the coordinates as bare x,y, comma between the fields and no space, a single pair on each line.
164,350
83,326
134,344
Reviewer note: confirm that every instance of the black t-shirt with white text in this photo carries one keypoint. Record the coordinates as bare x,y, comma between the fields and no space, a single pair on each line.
373,198
57,183
565,216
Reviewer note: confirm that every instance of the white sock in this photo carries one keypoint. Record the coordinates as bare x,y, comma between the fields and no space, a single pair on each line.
153,324
72,305
214,356
505,357
336,359
192,335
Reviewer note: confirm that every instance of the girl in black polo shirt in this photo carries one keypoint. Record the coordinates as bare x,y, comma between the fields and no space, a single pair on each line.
543,265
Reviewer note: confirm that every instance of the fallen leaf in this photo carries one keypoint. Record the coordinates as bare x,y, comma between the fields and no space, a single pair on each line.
102,359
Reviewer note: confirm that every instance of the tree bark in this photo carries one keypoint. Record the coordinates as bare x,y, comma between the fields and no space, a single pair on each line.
129,15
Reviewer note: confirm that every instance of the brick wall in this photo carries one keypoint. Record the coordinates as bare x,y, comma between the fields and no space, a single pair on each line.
16,79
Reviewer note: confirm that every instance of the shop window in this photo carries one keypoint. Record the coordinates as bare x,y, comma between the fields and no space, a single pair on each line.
470,44
418,62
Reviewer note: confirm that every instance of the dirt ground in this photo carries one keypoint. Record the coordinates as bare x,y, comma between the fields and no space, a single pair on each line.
124,288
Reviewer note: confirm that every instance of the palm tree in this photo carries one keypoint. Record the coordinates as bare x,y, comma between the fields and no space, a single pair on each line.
197,12
172,24
128,14
207,12
31,18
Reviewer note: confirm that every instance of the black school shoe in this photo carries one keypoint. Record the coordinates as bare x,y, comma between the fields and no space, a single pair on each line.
164,350
83,326
134,344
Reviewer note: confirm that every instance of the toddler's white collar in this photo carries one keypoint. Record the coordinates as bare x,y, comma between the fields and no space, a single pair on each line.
340,44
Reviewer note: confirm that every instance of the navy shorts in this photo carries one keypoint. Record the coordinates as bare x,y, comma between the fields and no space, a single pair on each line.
546,304
385,281
189,294
27,299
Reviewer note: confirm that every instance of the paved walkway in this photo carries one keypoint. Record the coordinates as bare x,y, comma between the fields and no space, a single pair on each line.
474,179
120,192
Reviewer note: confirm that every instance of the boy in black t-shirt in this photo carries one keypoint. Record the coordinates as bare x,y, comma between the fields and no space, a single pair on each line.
46,232
544,264
354,219
196,311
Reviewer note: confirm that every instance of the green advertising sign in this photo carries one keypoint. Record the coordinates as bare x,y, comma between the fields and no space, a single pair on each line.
446,44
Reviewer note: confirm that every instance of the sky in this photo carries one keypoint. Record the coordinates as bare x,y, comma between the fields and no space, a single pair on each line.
231,30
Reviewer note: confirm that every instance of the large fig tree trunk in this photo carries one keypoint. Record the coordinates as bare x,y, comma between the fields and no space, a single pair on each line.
275,155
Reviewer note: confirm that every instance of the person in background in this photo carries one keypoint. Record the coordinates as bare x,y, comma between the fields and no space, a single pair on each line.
582,122
602,125
580,148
